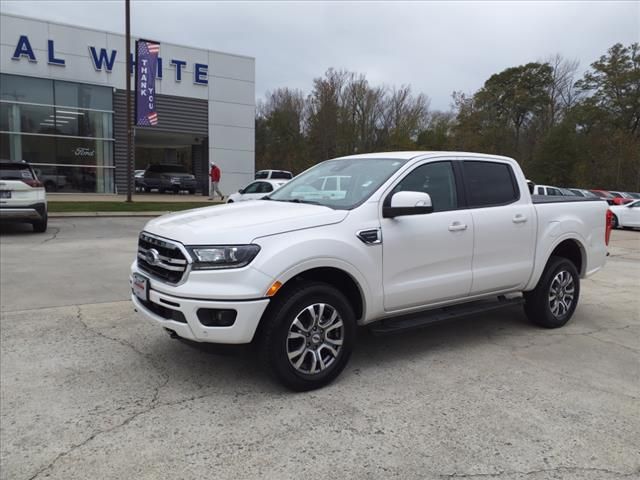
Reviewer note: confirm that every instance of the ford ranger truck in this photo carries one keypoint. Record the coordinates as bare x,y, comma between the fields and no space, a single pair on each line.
403,240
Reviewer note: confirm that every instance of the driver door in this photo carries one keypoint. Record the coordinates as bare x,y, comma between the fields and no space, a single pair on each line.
427,258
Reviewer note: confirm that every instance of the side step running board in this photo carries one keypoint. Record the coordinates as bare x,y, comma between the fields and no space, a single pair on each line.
413,321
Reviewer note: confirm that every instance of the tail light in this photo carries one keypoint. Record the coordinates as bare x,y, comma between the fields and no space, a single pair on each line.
32,182
608,226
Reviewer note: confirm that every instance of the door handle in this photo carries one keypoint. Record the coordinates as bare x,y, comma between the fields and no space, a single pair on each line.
457,227
519,218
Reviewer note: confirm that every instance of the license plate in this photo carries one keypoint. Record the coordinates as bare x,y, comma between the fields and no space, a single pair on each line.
5,193
140,286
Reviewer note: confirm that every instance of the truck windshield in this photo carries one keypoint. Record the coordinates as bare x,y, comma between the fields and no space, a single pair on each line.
339,184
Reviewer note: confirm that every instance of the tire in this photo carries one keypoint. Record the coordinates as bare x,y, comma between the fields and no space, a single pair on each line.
614,222
50,186
552,303
192,191
311,340
229,201
147,189
40,226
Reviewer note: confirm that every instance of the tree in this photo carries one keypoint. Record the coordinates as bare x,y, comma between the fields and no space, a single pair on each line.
511,99
405,116
279,134
614,83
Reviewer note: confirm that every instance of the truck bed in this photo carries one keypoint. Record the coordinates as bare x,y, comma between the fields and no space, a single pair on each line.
562,199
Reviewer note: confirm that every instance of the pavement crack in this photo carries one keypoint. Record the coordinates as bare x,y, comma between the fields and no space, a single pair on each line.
79,317
511,474
52,237
153,404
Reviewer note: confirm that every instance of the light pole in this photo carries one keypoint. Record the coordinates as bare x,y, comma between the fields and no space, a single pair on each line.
128,90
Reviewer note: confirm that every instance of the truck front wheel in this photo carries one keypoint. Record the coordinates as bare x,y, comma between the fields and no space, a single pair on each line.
308,336
552,303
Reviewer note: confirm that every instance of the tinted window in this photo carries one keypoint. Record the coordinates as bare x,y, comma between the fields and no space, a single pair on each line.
15,171
253,187
436,179
262,174
286,175
489,183
266,188
553,191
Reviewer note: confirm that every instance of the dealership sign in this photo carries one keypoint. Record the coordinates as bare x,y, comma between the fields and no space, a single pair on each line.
104,60
146,68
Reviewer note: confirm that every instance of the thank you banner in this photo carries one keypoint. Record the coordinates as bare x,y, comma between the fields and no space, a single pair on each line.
146,68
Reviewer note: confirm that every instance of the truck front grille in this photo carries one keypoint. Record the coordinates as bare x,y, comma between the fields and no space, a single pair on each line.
162,259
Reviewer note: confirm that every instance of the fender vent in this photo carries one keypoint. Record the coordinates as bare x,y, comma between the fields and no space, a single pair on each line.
370,237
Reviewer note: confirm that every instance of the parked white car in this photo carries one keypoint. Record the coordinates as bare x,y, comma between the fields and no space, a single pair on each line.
626,216
255,190
547,190
417,238
22,195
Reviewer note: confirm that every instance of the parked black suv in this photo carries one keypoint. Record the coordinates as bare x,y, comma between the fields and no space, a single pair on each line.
174,178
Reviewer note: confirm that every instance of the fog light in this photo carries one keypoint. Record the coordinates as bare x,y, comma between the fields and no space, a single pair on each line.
214,317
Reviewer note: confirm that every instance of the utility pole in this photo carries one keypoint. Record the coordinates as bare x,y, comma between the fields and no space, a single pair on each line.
128,90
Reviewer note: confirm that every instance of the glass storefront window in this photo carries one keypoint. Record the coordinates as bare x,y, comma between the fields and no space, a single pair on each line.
26,89
68,139
83,123
70,179
83,151
32,148
83,95
16,117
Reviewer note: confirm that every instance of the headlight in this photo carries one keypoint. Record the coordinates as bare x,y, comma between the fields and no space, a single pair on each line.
228,256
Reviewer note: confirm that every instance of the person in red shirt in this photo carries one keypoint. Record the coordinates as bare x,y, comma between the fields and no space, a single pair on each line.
215,175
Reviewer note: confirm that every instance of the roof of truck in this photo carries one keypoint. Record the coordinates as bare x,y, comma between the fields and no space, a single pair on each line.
408,155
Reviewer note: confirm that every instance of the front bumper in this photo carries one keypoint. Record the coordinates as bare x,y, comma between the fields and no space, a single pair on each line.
187,325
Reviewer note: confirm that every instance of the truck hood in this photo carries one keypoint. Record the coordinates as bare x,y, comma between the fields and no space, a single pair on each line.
241,223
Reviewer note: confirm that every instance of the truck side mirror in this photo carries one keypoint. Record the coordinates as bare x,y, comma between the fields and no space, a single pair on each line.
408,203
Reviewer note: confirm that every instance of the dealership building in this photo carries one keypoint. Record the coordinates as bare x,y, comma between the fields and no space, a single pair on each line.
63,108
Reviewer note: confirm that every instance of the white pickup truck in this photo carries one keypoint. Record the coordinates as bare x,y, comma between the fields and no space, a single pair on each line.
411,238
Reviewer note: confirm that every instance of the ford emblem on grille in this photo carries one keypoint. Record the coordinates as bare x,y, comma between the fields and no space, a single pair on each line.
152,256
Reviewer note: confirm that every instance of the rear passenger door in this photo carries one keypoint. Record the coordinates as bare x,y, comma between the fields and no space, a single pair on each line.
504,227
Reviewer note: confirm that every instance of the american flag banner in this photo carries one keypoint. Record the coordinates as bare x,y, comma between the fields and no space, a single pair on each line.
146,69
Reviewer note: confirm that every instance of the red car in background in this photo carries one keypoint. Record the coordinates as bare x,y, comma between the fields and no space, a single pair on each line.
612,198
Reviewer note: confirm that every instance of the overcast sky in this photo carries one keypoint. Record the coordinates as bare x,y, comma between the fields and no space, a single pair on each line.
436,47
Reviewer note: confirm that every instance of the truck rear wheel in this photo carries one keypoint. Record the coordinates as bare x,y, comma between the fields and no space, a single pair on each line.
552,303
308,336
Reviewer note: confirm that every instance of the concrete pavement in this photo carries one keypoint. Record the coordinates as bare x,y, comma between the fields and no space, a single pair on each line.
91,390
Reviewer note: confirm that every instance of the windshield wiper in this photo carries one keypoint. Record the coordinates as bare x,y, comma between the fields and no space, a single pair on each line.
297,200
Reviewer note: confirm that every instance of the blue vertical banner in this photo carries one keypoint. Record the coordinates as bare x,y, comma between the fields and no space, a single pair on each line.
146,68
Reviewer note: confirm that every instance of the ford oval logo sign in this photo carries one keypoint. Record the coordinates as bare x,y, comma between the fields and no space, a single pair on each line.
152,256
